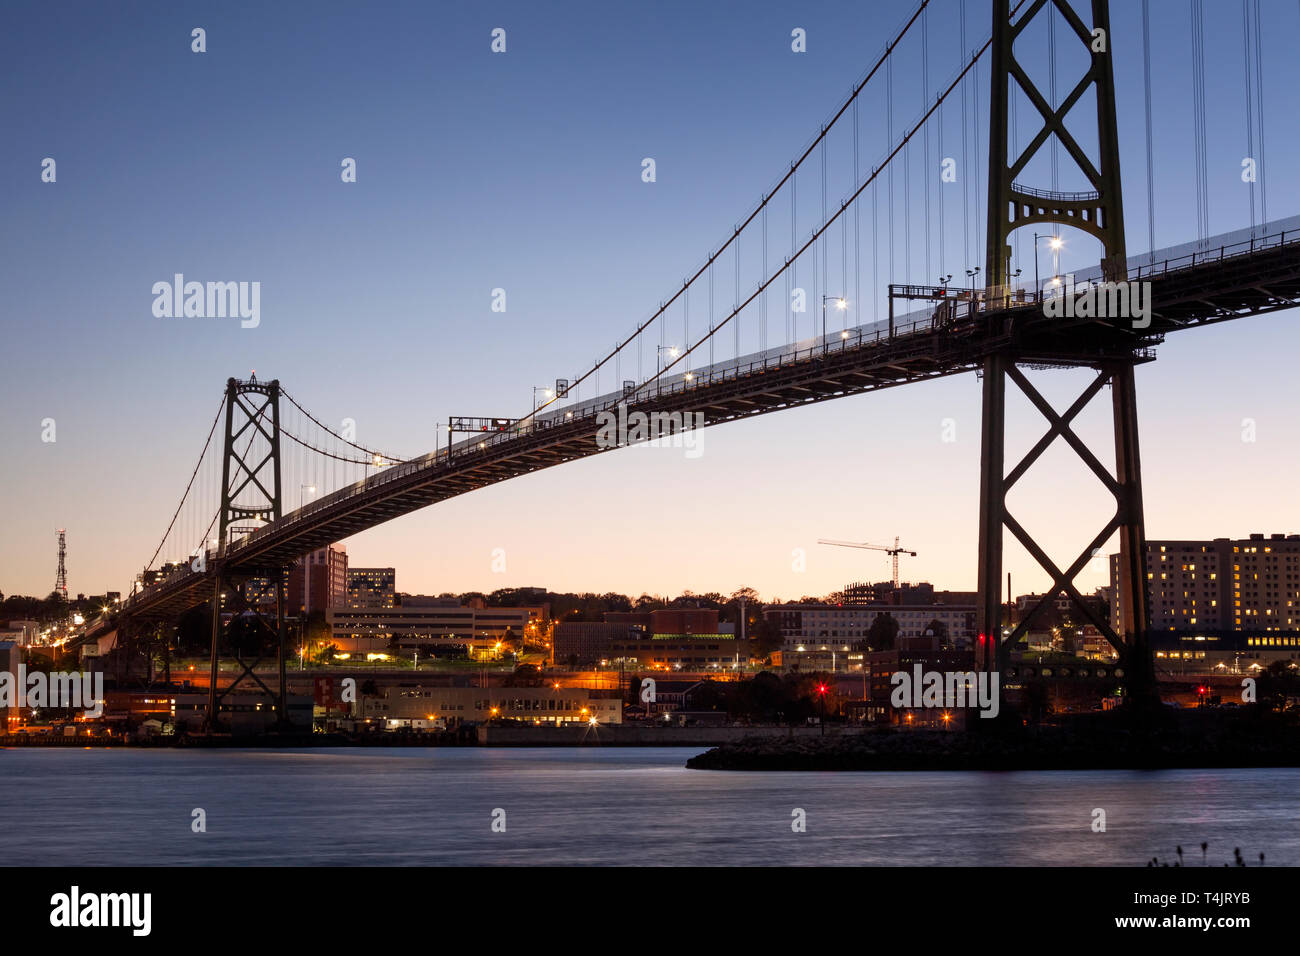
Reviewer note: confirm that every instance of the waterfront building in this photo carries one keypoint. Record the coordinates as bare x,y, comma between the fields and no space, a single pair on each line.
925,652
186,710
411,700
10,658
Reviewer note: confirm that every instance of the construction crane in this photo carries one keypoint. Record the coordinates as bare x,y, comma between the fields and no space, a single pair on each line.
893,552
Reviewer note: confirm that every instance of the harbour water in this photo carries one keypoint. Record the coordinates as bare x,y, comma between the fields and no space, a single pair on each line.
611,806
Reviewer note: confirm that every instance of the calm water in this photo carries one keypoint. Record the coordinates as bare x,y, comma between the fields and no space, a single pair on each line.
346,806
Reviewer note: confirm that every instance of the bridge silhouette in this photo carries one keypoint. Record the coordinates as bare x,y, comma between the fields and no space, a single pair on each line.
998,326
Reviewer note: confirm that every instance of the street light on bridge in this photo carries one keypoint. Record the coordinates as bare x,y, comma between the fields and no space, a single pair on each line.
840,303
1055,242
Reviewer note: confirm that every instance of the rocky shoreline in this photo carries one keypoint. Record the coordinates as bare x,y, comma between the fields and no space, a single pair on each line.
1092,742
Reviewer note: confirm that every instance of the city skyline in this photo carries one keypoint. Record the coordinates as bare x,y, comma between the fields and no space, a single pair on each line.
376,302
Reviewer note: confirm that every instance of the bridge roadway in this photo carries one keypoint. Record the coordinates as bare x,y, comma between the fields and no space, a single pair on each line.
1226,278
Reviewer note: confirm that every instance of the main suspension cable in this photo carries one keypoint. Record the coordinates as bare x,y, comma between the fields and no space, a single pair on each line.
206,444
883,58
369,451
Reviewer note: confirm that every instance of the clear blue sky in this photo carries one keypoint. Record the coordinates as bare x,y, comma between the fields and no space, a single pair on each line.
522,171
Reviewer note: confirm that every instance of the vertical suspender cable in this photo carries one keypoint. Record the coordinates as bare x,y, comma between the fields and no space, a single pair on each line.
875,245
1015,152
1051,91
1196,126
825,257
686,323
907,211
1198,118
857,233
925,143
942,235
975,158
736,301
1259,105
762,315
1250,106
786,310
844,267
812,251
965,152
794,264
1146,83
889,133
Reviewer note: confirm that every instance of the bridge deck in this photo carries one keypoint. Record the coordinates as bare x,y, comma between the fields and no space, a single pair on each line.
1215,282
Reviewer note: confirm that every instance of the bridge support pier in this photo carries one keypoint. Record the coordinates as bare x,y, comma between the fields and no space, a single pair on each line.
1134,595
211,721
281,702
995,637
988,610
249,640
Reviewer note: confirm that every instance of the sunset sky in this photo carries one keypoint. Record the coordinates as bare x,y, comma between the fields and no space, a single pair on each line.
523,171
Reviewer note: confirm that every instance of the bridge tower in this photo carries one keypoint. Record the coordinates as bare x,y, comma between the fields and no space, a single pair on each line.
258,417
250,491
1100,213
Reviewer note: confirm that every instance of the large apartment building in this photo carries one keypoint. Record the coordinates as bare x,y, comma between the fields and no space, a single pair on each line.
372,587
1220,586
319,581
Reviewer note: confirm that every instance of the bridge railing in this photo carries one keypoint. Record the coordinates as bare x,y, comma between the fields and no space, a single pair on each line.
1225,250
854,338
1051,196
860,337
1281,233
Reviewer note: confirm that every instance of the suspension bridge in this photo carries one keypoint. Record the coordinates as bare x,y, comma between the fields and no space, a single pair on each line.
235,531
